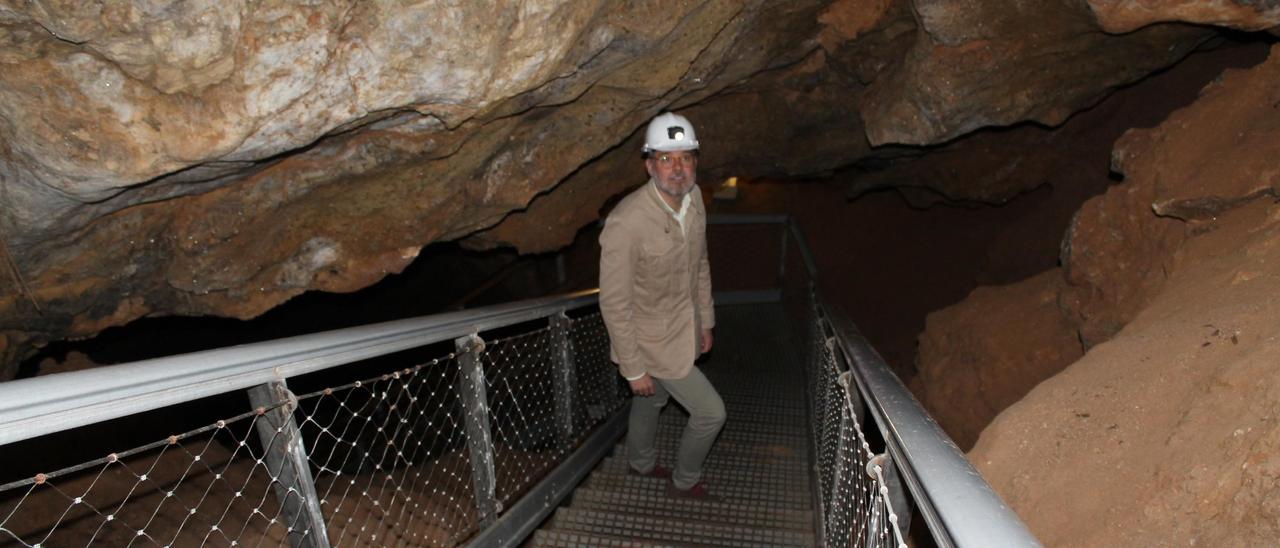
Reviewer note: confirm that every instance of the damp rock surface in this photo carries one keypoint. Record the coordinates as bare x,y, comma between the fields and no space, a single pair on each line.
1119,16
977,63
219,158
1165,431
982,355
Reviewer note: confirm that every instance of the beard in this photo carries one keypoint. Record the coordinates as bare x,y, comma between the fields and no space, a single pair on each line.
676,187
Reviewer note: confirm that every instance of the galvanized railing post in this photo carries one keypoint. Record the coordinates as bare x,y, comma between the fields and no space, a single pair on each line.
564,380
287,463
475,406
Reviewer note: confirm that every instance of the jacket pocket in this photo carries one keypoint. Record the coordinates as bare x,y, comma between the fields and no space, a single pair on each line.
659,261
652,330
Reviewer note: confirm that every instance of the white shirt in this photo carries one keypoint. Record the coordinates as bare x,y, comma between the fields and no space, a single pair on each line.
684,206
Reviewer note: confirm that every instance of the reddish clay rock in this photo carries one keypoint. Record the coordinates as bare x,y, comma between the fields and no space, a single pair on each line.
1121,16
845,20
1217,154
1211,156
1168,434
980,63
982,355
73,361
1116,255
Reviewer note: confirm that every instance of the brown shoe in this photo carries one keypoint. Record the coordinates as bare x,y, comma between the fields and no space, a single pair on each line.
659,471
699,491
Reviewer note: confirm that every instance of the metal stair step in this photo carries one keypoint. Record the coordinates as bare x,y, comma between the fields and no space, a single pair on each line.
658,505
769,424
760,494
672,432
555,538
682,531
758,468
747,473
789,454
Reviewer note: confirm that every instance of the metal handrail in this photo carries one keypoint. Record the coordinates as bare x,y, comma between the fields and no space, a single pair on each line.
41,405
959,506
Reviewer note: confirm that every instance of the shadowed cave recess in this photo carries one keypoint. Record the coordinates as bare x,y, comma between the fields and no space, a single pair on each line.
1056,220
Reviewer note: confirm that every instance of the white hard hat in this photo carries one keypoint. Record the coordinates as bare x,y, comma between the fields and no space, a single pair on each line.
669,131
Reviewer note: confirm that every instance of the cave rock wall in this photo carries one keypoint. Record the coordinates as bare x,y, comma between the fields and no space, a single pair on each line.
1171,280
210,157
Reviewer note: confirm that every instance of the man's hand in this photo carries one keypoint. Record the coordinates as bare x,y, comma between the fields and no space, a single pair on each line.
706,340
642,386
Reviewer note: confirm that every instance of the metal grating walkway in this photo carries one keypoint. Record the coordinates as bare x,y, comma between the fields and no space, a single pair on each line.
758,467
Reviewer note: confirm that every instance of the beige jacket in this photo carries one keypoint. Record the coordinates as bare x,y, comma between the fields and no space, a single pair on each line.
655,285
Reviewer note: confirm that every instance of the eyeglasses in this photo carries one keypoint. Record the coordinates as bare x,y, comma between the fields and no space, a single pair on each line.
668,159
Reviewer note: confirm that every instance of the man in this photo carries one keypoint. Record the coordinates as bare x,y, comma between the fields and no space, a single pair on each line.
655,296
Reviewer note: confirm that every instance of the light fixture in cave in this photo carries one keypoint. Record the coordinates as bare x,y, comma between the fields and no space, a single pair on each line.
727,191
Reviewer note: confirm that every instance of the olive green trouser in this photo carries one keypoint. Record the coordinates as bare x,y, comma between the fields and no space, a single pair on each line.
706,417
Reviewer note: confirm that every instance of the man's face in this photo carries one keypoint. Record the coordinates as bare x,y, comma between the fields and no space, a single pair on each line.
675,172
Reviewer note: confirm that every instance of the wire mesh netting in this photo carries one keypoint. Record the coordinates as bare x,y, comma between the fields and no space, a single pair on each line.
600,390
382,461
853,495
522,395
207,486
389,458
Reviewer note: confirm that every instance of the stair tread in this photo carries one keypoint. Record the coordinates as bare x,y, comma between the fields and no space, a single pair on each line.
773,475
676,530
659,505
758,494
776,453
556,538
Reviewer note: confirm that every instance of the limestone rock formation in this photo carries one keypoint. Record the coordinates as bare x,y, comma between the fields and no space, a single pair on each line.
811,128
1116,256
997,165
981,63
982,355
964,352
1171,414
1166,435
1205,159
207,157
287,147
1126,15
1233,125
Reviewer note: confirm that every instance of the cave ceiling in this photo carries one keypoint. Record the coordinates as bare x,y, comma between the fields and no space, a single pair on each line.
220,157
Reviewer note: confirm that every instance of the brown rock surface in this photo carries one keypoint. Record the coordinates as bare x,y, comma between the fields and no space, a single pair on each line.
1116,256
812,127
1219,153
982,355
960,343
994,63
139,178
1165,432
996,165
1166,435
1204,159
222,157
1126,15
